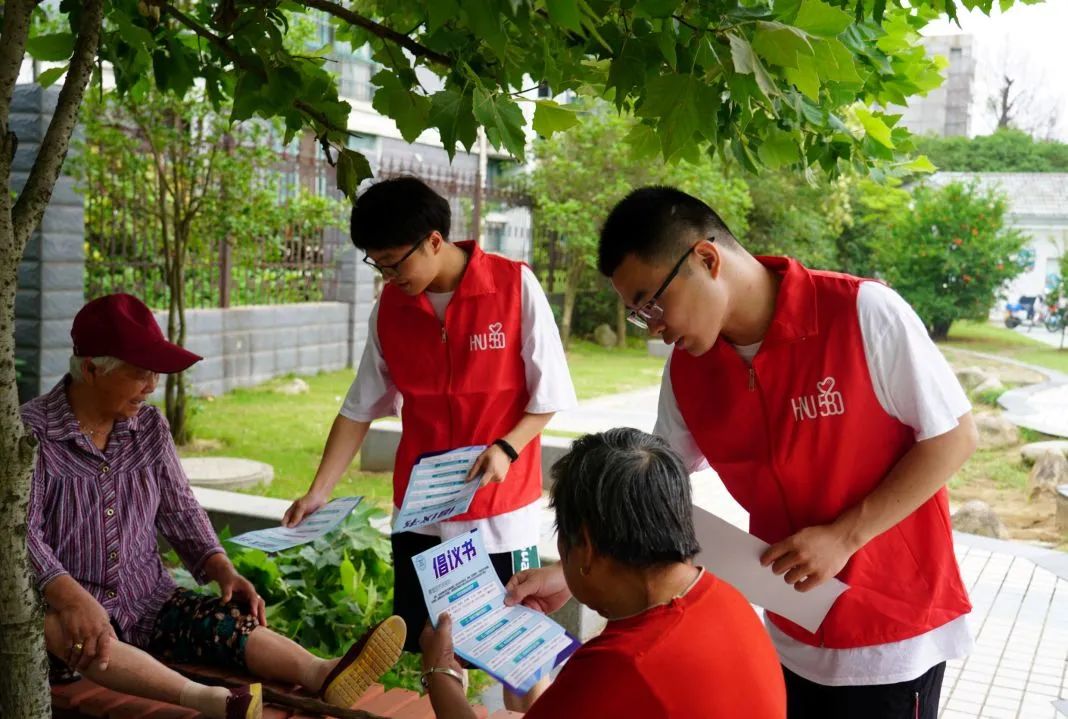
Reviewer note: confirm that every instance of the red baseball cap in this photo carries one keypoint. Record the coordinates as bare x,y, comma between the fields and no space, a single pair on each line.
122,326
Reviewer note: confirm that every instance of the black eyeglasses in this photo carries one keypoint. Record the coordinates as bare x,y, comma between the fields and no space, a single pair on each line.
391,270
651,311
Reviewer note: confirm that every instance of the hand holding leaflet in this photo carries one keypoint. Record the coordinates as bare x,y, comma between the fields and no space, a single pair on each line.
515,645
437,489
324,521
734,556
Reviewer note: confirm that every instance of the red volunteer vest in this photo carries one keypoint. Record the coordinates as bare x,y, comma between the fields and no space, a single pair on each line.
800,437
463,381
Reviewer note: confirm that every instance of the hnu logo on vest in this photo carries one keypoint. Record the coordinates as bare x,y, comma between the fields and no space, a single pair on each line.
492,340
827,403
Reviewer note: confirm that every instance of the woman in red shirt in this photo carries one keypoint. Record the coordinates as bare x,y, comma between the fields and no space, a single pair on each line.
679,641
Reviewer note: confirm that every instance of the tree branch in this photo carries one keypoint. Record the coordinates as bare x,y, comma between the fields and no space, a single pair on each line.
236,58
37,192
13,36
379,30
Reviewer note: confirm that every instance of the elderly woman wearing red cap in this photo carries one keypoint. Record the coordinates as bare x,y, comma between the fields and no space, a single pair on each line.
107,479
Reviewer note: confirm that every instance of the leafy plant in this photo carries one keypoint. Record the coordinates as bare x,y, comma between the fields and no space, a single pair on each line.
324,595
949,252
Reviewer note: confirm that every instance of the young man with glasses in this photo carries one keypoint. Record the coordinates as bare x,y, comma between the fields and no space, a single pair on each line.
833,419
468,341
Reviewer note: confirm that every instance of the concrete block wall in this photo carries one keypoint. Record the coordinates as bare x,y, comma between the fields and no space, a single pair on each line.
243,346
51,274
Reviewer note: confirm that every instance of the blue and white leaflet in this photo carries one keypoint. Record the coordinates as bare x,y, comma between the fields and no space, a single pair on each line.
437,489
517,646
316,525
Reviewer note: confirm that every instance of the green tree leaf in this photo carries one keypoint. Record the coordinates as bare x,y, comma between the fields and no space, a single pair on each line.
805,77
874,126
51,48
565,13
47,78
409,110
779,148
451,112
502,119
747,63
352,169
550,117
780,44
818,18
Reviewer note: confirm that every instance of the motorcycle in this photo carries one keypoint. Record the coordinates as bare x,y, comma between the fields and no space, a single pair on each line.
1024,310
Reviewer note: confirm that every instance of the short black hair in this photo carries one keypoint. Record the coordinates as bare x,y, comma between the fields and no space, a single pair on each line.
657,224
398,212
631,493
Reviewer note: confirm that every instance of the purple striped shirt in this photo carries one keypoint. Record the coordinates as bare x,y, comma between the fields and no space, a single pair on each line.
94,514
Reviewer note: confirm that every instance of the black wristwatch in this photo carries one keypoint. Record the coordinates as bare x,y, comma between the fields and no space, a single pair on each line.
508,449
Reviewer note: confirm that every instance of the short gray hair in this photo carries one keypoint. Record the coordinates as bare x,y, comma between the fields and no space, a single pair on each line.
104,364
631,493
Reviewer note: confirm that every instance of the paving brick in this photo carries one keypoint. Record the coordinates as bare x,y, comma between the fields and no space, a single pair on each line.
421,709
505,714
167,711
137,708
390,702
67,696
98,705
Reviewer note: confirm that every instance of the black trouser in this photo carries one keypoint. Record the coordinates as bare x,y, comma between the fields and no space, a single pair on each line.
408,600
915,699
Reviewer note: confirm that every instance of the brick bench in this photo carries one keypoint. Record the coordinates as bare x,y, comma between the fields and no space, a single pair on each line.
83,698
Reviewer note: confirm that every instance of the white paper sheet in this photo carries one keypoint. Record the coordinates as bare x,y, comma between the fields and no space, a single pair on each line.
734,556
322,522
516,645
436,489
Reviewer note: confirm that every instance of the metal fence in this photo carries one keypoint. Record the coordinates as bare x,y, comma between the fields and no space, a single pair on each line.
475,203
124,245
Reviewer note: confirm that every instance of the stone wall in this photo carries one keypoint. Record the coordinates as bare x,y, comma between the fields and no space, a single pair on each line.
243,346
51,275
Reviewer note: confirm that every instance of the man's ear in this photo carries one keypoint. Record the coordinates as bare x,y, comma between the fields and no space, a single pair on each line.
709,255
435,240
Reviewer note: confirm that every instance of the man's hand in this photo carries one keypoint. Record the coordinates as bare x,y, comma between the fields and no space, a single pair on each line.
232,586
86,631
810,557
493,464
303,507
437,645
543,589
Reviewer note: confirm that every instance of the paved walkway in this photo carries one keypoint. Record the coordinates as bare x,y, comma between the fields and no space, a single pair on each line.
1020,592
1053,339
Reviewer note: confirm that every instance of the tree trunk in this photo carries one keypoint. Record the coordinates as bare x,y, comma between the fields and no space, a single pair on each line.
175,396
939,330
565,315
575,265
24,691
621,323
23,669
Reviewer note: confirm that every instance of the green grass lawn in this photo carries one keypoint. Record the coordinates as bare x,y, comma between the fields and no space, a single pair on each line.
289,432
597,371
985,337
286,432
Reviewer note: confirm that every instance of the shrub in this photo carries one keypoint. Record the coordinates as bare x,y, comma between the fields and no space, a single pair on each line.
949,253
324,595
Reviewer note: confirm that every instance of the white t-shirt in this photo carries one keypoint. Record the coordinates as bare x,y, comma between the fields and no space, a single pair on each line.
373,395
915,385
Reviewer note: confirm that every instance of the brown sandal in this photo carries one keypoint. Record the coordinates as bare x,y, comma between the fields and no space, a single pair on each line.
370,657
245,702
